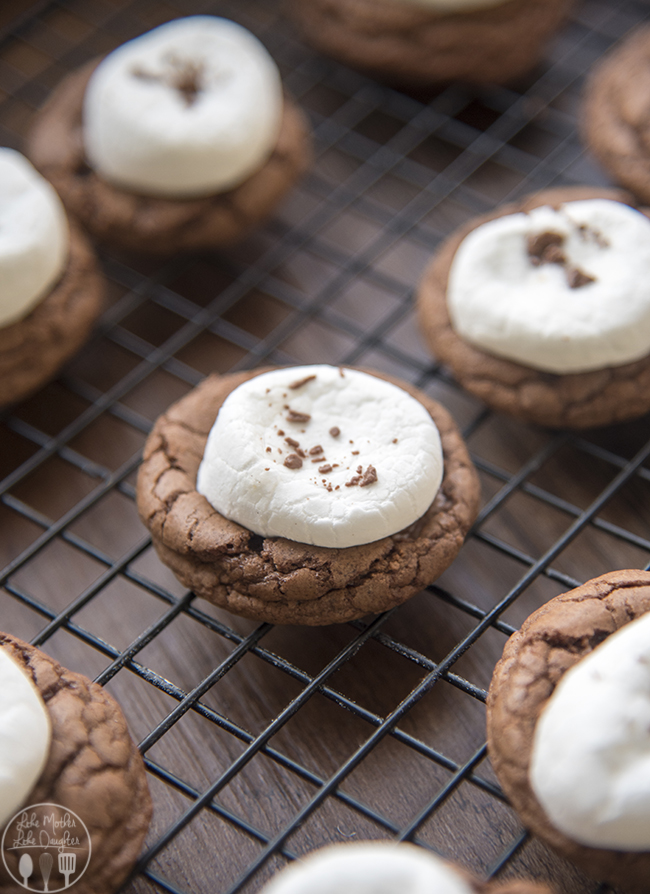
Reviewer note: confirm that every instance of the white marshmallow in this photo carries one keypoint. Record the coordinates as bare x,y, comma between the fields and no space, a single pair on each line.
502,303
369,867
244,476
144,133
34,237
24,736
590,765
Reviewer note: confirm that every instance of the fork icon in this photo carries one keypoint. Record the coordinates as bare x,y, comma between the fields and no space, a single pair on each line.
67,865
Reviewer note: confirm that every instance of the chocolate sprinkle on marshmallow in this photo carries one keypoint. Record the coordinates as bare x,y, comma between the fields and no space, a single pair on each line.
300,382
295,416
369,476
577,278
335,431
545,248
293,461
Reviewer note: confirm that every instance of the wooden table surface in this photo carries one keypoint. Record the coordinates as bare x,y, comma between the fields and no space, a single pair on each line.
263,743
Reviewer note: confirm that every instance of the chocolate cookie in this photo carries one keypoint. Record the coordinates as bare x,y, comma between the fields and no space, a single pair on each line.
551,641
574,400
408,43
151,224
93,769
616,113
33,349
279,580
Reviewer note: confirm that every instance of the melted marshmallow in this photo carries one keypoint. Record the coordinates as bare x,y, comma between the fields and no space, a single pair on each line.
24,736
251,474
190,108
34,237
369,867
590,766
499,301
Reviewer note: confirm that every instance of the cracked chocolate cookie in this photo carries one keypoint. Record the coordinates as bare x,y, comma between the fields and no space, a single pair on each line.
154,149
616,113
420,42
91,804
571,694
562,267
273,578
33,349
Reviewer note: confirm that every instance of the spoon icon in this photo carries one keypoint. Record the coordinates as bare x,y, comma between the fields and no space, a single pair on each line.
25,867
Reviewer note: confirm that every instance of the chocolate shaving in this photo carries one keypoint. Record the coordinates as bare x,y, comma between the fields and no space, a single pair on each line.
587,232
184,75
292,442
353,481
293,461
355,453
335,431
545,248
359,470
578,278
301,452
313,451
300,382
325,469
369,476
295,416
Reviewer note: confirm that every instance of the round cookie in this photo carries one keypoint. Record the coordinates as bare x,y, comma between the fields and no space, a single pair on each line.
51,287
93,769
414,42
616,113
385,867
33,349
574,400
152,223
551,641
279,580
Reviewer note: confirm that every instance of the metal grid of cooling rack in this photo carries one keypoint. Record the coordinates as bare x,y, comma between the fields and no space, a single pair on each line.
262,743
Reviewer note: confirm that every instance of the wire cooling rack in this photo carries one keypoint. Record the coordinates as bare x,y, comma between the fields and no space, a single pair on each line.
263,743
